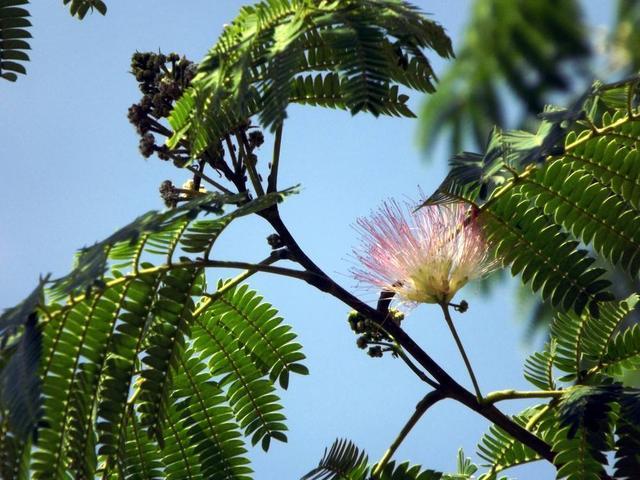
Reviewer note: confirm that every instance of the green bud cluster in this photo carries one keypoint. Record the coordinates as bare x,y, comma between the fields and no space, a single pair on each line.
369,332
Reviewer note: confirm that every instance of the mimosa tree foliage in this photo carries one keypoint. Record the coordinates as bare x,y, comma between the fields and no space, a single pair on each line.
143,363
15,33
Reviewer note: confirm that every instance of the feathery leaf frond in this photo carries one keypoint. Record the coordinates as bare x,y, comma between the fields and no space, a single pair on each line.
573,182
585,417
538,369
126,393
361,51
502,451
344,460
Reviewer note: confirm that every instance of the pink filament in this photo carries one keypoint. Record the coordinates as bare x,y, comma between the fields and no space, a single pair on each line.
425,256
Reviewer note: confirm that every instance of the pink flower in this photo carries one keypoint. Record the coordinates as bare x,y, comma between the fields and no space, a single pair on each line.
425,256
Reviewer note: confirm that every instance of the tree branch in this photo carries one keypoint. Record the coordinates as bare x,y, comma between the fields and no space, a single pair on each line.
263,266
448,386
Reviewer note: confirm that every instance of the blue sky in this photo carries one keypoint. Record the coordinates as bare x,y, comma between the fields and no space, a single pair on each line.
73,175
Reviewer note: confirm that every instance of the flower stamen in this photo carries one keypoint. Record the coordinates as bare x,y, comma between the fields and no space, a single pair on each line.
424,256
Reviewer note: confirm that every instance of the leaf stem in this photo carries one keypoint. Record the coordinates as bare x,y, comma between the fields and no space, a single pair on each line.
500,395
447,317
206,301
423,405
272,182
535,418
199,263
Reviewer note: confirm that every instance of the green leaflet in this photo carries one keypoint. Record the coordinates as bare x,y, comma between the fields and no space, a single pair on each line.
627,462
209,421
327,91
603,340
167,336
119,364
67,378
259,330
342,460
179,456
20,401
544,255
538,369
259,62
143,459
623,351
581,420
158,234
585,431
580,427
593,190
128,243
14,452
405,470
15,34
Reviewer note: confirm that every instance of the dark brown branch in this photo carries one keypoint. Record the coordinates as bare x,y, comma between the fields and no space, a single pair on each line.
384,301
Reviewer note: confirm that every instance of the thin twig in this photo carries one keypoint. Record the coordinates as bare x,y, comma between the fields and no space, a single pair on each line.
420,374
533,421
427,402
210,180
199,263
272,181
384,301
197,178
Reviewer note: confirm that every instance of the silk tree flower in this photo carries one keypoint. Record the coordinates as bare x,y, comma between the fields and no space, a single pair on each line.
424,256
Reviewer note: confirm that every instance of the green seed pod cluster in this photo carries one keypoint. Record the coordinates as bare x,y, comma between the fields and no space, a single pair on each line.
161,79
